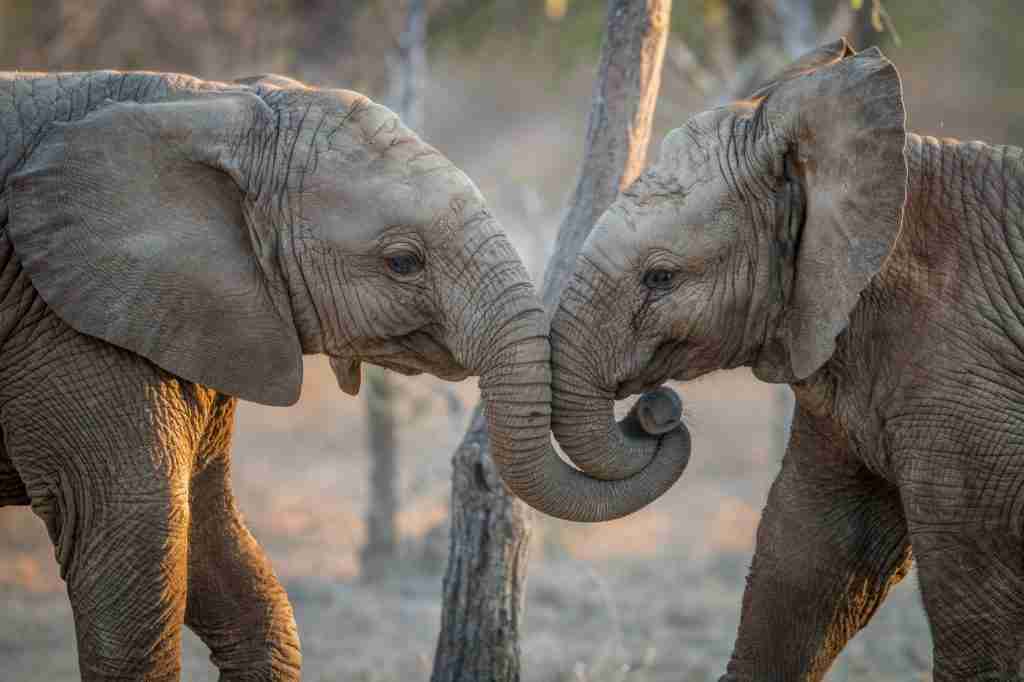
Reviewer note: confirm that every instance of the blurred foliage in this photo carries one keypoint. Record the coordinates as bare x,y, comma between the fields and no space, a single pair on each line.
351,38
997,23
567,32
350,42
567,35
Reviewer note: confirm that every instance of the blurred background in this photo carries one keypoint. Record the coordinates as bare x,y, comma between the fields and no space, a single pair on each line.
507,90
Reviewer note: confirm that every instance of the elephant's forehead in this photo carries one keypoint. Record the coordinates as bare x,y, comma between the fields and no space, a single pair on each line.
359,208
689,221
378,125
691,152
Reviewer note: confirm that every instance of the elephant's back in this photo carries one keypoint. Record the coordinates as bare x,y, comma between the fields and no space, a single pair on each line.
30,103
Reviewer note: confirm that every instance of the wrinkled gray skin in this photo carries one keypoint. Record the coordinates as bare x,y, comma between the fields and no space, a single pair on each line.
805,234
169,245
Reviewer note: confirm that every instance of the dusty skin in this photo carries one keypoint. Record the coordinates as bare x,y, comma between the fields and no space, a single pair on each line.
170,245
804,233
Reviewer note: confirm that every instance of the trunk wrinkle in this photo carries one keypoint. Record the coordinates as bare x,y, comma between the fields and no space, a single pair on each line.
517,405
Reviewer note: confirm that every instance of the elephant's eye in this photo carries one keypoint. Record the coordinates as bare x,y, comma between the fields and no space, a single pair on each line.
404,264
659,279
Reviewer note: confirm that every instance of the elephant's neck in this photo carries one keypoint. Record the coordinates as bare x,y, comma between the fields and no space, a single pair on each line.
304,312
958,260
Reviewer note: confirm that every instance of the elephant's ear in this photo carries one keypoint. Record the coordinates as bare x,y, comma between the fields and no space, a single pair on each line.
839,123
823,56
132,225
271,80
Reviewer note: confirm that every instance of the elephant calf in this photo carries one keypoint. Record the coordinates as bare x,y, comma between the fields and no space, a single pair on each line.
168,245
804,233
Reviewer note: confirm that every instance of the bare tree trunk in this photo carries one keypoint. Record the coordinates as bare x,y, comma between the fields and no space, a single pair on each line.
382,506
487,558
407,79
619,126
486,572
412,65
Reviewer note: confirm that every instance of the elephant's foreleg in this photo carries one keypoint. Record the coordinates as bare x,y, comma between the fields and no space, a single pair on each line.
831,543
126,581
120,532
105,443
235,603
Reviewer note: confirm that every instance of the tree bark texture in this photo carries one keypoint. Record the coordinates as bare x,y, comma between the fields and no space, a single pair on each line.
484,584
408,75
486,573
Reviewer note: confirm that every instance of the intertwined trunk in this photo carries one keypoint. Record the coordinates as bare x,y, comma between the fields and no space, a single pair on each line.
486,573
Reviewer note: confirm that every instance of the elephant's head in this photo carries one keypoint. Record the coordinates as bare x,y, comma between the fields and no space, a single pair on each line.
748,243
226,229
224,233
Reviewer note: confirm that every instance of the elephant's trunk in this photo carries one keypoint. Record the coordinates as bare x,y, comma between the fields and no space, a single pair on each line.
583,418
516,386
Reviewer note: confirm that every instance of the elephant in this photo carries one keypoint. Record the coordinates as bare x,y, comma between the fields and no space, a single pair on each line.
806,234
169,245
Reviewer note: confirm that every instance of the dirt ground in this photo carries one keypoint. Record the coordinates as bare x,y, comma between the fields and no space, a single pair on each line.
654,597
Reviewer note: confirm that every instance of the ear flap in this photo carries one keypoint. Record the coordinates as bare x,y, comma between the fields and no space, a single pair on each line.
131,225
823,56
841,121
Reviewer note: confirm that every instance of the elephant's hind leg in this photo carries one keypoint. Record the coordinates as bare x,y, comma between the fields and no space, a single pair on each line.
235,603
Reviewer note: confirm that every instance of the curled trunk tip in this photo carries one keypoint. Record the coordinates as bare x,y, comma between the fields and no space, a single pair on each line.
517,399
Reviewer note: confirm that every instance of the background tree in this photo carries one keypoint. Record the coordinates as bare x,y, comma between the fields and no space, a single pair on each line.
408,72
485,580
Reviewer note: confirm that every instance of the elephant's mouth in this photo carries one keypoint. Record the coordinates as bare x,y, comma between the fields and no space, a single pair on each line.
667,362
411,354
448,372
636,386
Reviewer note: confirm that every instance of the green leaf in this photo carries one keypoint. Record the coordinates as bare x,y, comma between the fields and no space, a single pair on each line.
856,4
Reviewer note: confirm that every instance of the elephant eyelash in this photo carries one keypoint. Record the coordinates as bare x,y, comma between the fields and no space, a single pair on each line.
661,273
660,279
406,264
